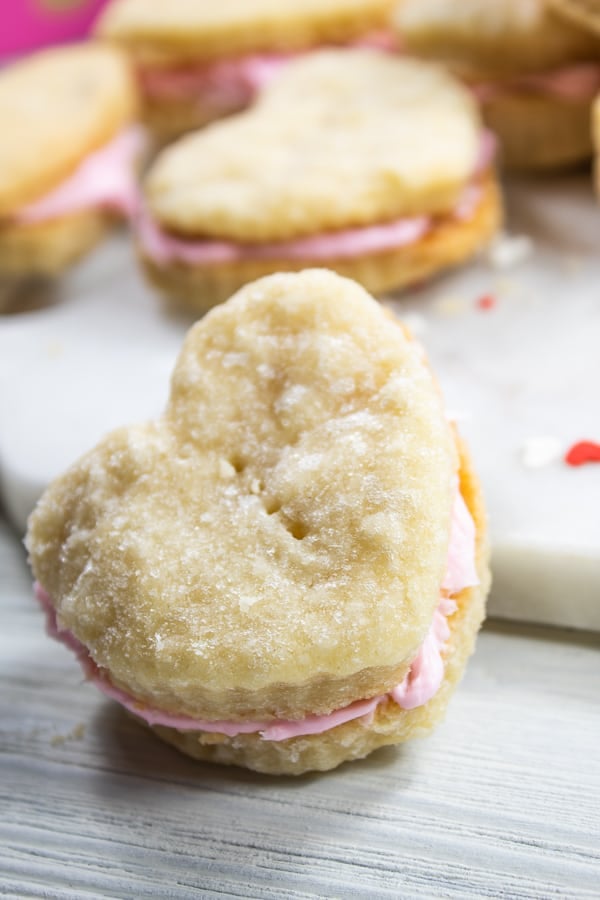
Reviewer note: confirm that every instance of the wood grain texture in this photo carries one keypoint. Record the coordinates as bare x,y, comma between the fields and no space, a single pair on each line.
503,801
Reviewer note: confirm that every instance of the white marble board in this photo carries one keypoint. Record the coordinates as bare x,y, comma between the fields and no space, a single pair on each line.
522,377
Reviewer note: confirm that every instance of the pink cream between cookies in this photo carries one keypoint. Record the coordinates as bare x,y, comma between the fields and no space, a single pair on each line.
420,684
232,82
164,248
104,180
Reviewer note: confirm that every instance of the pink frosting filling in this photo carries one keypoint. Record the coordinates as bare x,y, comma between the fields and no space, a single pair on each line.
164,248
105,179
420,684
576,82
232,81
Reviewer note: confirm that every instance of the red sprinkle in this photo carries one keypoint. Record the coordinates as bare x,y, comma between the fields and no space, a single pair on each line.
488,301
583,452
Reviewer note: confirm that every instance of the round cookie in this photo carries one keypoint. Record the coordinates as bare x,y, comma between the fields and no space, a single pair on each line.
492,39
534,73
538,132
253,556
201,30
68,101
44,249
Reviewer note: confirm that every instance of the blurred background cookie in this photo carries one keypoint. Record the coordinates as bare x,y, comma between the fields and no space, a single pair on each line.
67,156
371,165
198,60
534,73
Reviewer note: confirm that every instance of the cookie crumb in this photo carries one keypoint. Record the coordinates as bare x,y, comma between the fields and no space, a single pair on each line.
77,733
451,306
505,286
507,251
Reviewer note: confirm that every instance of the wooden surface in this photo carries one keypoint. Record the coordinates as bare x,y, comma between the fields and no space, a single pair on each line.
503,801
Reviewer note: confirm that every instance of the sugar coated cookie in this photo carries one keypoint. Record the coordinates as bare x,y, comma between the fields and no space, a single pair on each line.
374,166
534,73
198,60
67,155
288,569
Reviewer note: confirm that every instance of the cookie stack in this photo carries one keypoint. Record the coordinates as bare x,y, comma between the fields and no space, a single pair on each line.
371,165
67,156
535,72
289,568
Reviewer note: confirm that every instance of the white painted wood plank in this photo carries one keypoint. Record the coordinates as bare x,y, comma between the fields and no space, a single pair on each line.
503,801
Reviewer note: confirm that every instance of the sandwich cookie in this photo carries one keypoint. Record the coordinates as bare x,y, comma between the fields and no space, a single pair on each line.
534,73
371,165
198,60
289,568
67,156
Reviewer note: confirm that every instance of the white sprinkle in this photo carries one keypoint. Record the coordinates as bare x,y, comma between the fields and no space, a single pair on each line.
507,250
540,451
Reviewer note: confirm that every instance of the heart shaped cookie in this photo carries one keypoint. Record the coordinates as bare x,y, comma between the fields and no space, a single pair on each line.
197,60
288,569
371,165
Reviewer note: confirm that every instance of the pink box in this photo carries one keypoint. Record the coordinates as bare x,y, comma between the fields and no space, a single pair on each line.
26,25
